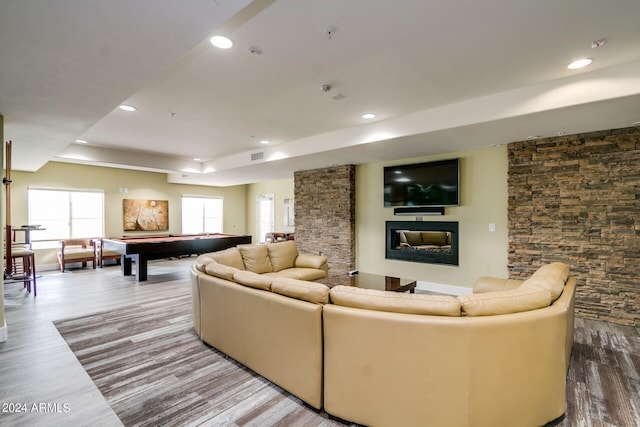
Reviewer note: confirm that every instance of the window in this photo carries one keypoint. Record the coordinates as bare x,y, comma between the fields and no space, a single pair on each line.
66,213
201,214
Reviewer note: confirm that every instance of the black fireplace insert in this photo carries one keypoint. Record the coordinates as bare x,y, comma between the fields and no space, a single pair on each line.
434,242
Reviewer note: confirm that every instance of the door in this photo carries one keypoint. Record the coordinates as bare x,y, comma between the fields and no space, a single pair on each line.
264,216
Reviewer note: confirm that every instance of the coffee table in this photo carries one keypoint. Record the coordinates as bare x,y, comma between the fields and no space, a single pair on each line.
371,281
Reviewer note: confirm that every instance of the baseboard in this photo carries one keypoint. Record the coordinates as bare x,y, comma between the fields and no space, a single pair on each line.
48,267
4,332
443,289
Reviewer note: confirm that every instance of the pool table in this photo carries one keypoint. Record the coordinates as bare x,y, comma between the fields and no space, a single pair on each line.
141,249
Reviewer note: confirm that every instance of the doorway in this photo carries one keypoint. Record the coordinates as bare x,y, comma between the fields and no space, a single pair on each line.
265,216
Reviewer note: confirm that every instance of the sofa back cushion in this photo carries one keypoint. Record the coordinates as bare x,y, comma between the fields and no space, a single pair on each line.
505,302
256,258
220,270
202,261
313,292
396,302
282,254
253,280
551,276
312,261
230,257
438,238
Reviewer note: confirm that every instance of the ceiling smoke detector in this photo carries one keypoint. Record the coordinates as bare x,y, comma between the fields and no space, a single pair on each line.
329,32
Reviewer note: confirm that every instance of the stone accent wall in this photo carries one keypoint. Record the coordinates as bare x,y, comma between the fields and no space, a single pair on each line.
576,199
325,212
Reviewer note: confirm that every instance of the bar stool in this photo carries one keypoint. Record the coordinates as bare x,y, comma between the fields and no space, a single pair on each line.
23,266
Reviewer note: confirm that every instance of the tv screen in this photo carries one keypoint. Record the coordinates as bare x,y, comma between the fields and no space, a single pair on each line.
423,184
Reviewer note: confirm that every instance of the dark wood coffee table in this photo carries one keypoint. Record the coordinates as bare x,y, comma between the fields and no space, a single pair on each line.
371,281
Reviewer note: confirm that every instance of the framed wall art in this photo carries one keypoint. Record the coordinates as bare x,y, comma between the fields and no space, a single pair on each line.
145,215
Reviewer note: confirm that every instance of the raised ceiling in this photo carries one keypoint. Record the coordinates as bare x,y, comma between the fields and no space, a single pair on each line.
440,77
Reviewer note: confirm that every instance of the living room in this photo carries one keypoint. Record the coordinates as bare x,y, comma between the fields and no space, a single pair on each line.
548,165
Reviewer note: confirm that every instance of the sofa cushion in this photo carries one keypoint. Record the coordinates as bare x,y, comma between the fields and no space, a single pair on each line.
316,293
256,258
396,302
282,254
202,261
230,257
300,273
505,302
551,276
253,280
220,270
438,238
311,261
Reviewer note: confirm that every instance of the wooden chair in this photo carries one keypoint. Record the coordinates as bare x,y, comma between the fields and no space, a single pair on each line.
76,250
22,266
104,255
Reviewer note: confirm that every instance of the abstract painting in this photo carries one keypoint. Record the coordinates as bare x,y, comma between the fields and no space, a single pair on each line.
145,215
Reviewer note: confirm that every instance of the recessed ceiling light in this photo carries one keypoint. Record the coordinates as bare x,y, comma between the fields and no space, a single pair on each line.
368,116
196,159
81,141
580,63
125,107
530,137
264,141
221,42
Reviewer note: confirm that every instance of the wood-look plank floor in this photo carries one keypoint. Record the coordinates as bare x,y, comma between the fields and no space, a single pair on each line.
38,367
153,370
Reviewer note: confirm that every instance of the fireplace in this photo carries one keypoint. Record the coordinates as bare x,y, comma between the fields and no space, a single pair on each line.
433,242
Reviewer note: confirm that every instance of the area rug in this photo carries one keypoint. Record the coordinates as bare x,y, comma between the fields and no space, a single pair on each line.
152,369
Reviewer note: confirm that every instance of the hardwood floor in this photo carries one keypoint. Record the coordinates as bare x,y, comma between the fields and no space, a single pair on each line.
42,382
36,365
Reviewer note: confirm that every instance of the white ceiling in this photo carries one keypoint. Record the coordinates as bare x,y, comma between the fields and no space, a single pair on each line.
440,76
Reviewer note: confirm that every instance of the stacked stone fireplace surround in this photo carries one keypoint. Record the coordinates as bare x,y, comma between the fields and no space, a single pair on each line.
576,199
573,198
326,214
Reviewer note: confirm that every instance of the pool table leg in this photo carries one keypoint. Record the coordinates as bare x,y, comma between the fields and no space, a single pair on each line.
141,266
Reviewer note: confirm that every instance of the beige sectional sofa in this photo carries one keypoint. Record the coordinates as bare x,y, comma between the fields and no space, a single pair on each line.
249,303
495,357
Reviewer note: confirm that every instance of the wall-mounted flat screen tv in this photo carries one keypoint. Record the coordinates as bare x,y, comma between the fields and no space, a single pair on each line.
423,184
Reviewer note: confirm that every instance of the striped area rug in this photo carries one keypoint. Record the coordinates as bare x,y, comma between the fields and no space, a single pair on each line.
152,369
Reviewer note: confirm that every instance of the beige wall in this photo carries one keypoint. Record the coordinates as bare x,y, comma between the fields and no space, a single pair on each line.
139,185
483,201
281,190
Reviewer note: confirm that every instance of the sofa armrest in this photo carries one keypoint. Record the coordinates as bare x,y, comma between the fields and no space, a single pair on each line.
494,284
311,261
